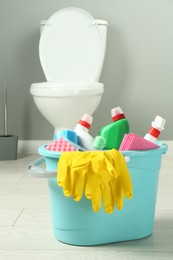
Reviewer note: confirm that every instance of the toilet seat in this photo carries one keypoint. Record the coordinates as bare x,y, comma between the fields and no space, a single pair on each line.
51,89
70,47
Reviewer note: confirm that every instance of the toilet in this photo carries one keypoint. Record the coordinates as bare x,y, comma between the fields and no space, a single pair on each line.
71,50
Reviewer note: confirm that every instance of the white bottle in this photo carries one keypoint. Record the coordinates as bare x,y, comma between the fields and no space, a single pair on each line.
156,127
82,131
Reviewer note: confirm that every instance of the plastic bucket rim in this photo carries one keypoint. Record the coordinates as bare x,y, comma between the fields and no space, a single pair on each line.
161,150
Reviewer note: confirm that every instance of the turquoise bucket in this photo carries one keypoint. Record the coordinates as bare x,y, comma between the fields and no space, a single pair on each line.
76,223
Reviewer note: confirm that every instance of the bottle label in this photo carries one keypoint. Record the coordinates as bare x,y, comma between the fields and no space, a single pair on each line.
117,117
84,123
154,132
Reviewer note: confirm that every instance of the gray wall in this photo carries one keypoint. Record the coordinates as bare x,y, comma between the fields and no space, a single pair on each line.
138,69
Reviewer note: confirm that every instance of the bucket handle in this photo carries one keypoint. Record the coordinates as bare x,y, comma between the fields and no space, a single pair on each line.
36,171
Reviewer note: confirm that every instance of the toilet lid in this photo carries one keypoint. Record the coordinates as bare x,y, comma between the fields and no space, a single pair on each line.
70,47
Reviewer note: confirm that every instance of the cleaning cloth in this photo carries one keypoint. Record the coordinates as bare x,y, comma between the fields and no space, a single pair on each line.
102,176
135,142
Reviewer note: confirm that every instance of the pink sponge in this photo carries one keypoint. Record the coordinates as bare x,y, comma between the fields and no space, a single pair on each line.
135,142
60,145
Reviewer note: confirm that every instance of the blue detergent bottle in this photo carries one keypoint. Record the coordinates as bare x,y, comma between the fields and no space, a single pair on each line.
114,132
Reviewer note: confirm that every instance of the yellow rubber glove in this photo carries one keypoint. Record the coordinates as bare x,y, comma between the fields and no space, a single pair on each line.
101,175
117,191
92,176
110,181
80,166
63,173
102,189
72,167
98,179
119,163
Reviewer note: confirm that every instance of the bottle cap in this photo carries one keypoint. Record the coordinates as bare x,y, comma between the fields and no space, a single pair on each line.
86,121
156,127
117,114
159,123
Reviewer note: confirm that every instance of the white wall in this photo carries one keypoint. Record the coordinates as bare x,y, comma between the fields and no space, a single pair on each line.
138,69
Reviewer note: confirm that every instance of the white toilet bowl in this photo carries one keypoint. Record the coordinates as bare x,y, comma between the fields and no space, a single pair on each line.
72,49
64,106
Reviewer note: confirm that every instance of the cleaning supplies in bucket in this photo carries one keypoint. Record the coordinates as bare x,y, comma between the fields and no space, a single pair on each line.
100,175
135,142
109,136
60,145
82,131
114,132
67,134
156,127
63,145
99,142
76,223
98,185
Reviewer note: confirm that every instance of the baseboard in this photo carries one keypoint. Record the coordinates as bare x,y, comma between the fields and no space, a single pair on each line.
26,147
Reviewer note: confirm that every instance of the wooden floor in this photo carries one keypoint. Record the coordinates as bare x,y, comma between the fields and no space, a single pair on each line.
26,229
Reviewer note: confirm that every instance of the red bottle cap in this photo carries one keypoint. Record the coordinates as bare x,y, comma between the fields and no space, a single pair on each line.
86,121
117,114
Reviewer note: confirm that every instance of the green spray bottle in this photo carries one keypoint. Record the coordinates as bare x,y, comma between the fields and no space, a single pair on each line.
114,132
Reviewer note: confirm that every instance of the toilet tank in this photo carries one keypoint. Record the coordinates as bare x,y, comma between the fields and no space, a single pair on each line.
102,24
